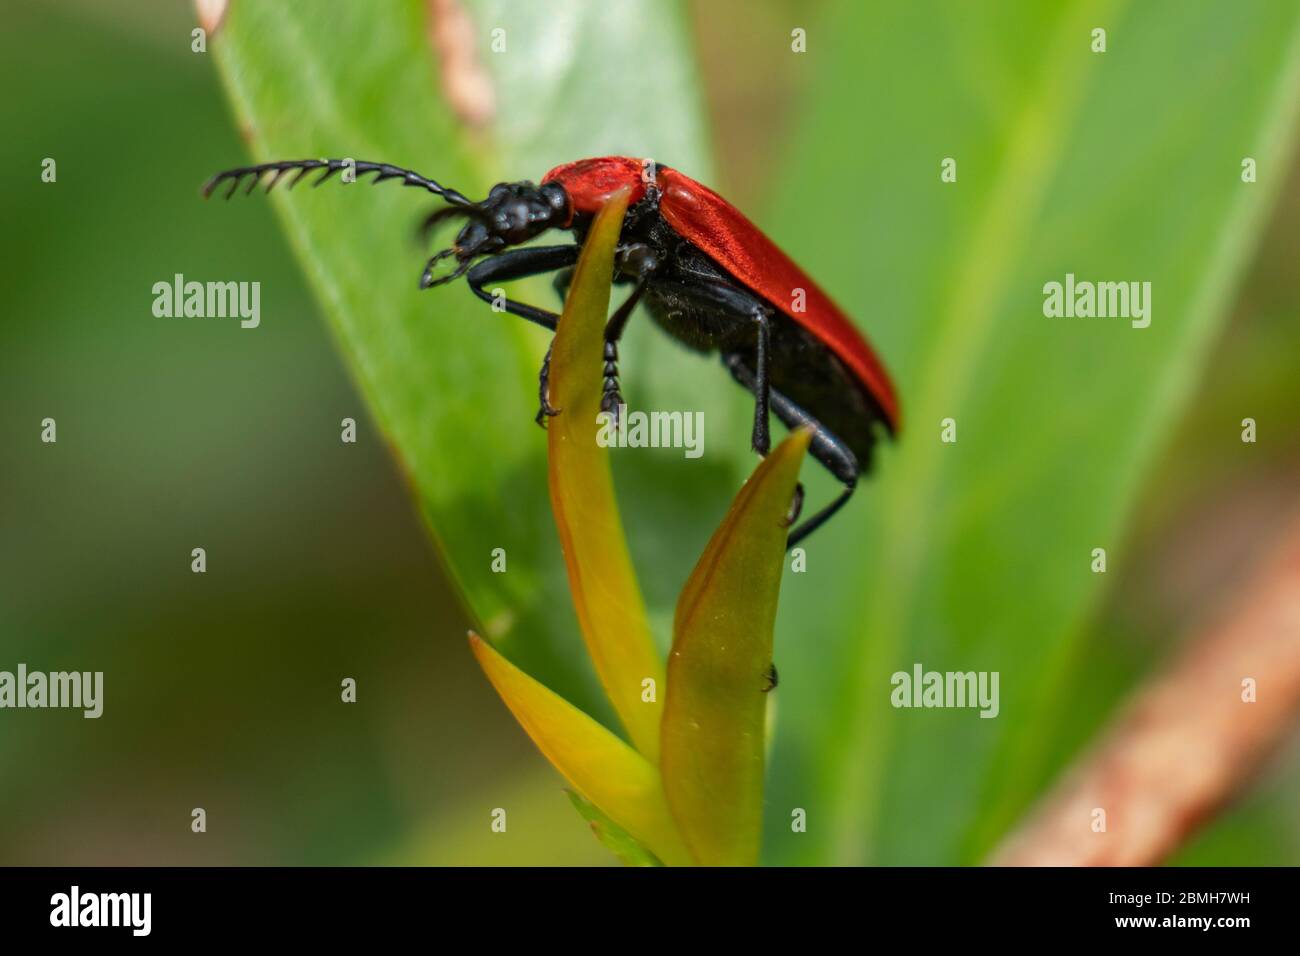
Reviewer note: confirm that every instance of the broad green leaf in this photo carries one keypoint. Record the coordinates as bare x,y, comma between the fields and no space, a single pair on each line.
601,578
612,836
600,766
975,555
714,715
452,384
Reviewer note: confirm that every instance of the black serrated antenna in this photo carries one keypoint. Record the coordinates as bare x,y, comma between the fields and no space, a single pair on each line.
382,172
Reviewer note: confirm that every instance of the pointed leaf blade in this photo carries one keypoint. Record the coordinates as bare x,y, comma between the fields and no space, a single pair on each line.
612,836
606,595
715,706
600,766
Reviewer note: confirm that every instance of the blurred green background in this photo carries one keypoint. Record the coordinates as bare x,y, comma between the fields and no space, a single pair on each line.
222,689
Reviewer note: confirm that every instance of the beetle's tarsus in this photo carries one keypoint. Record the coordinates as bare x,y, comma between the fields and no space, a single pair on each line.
427,281
545,409
545,413
611,401
611,398
820,518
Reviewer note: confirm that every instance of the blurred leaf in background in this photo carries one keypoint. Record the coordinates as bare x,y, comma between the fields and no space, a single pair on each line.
1121,165
720,670
222,690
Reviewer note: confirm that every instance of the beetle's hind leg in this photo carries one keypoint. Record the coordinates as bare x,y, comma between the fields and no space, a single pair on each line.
827,447
821,517
761,436
740,306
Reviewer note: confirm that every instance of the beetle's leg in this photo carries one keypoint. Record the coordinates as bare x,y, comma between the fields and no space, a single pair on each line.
638,262
827,447
821,517
563,279
612,399
742,305
520,264
544,407
761,437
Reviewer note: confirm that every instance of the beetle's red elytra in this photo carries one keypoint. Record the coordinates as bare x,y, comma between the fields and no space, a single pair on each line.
722,231
706,274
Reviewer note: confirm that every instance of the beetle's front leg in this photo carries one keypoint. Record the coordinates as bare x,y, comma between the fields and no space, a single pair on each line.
518,264
611,398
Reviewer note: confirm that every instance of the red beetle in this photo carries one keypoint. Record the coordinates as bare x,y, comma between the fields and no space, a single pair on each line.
707,275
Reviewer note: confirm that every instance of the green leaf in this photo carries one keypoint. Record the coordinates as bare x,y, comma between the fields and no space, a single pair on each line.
599,765
714,715
612,836
601,578
451,384
975,556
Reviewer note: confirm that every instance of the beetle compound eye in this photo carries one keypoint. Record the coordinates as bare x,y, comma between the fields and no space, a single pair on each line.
554,196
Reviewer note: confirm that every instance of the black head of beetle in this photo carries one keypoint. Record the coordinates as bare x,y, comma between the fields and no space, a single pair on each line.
512,213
